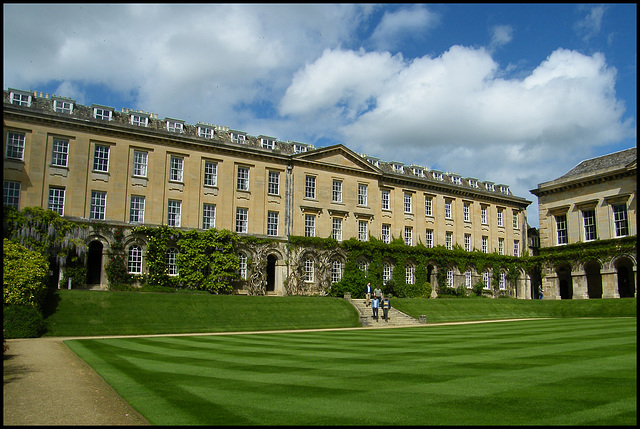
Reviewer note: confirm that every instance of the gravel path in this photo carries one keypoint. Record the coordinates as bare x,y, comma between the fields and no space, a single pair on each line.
45,383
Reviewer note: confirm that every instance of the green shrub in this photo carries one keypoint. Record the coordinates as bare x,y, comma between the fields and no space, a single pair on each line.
461,291
426,290
76,271
21,321
24,277
478,288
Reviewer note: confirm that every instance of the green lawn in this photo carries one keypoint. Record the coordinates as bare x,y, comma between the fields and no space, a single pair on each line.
540,372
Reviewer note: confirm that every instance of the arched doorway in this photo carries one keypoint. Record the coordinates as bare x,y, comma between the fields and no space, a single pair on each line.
565,282
271,273
429,273
94,263
626,284
594,280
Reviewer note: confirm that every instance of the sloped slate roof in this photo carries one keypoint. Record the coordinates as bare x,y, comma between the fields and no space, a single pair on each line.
617,159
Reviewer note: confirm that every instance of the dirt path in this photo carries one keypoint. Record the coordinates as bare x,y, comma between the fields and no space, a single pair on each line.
45,383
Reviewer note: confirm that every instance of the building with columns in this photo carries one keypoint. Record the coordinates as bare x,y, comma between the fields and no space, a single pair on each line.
95,164
589,215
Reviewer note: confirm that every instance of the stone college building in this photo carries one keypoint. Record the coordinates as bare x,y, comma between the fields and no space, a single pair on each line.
97,165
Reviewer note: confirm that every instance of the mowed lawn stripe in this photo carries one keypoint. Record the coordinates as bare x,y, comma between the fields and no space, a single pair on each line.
526,372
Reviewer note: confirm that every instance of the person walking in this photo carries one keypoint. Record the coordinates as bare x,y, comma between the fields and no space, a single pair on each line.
540,292
374,307
386,305
378,294
367,294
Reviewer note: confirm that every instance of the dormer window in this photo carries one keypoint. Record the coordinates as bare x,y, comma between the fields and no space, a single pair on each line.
299,148
63,106
504,189
417,171
205,132
456,180
398,168
104,113
238,138
267,143
437,175
489,186
175,126
20,98
373,161
473,183
139,120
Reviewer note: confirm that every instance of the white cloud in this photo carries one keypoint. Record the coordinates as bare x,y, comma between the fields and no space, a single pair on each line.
591,24
500,36
402,23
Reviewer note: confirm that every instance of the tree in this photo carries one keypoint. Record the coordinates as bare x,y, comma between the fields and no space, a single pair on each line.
25,275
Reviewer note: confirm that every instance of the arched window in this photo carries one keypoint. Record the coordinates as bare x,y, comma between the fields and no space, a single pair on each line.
242,266
171,258
309,267
336,271
410,277
386,272
134,263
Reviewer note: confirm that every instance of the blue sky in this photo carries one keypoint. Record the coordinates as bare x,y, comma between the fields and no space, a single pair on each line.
515,94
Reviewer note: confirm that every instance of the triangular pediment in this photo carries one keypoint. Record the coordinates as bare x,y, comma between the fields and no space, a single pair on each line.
338,156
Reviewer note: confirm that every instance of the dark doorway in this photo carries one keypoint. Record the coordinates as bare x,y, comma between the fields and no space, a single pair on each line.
429,272
626,285
565,282
271,273
94,263
594,280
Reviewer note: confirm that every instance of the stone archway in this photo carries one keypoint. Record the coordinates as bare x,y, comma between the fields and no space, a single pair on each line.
271,272
94,263
565,282
626,284
594,279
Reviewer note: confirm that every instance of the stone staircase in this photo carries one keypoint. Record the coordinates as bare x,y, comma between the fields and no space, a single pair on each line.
396,317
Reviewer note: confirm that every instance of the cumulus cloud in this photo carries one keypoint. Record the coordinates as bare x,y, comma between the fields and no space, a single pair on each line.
402,23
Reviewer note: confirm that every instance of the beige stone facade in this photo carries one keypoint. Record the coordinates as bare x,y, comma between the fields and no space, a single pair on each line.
128,167
595,203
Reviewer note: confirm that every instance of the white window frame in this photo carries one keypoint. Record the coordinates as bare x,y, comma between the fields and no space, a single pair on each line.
589,224
210,173
309,270
208,216
486,279
134,259
467,242
336,195
449,278
238,138
63,106
385,198
20,99
101,158
205,132
483,215
59,152
310,187
485,244
174,213
56,200
336,271
175,126
409,271
448,240
267,143
242,182
561,229
466,212
516,223
516,248
500,246
500,216
503,281
362,194
242,220
468,279
102,113
273,186
408,202
336,229
428,206
363,230
448,209
171,259
136,212
428,242
620,220
139,120
176,169
387,272
386,233
408,236
272,224
309,225
242,266
140,162
16,143
11,193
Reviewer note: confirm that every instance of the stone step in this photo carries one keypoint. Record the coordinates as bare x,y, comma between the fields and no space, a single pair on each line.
396,317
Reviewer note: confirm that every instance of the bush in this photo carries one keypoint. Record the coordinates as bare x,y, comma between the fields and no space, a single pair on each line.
76,271
478,288
21,321
426,290
461,291
25,276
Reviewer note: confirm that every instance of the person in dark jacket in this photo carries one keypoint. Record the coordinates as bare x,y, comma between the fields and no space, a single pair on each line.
374,307
386,305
